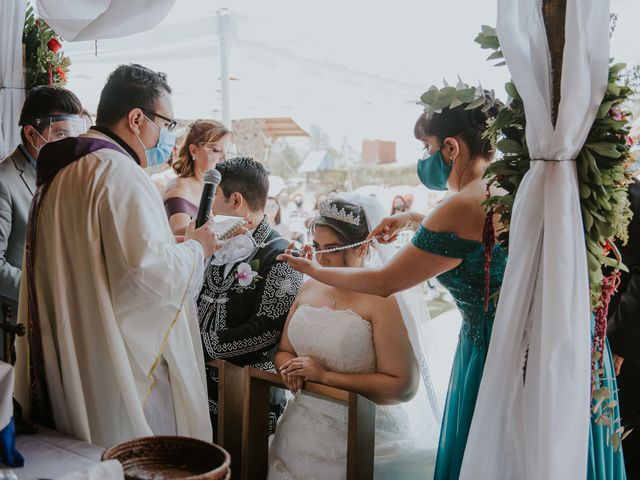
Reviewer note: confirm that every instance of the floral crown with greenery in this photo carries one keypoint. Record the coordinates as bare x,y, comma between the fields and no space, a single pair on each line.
436,99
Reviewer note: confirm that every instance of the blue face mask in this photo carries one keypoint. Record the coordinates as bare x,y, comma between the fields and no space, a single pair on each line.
160,153
434,172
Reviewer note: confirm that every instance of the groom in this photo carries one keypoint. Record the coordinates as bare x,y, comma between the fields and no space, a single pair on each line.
247,293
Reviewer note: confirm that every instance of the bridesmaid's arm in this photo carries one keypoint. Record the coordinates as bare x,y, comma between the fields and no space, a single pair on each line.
410,267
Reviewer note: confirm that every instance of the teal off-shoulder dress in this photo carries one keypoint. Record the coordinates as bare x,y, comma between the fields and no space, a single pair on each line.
466,283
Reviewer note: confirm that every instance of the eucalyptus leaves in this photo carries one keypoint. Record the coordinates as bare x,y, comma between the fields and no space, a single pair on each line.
435,99
601,163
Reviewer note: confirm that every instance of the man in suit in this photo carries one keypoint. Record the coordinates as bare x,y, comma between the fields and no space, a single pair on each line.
48,114
624,337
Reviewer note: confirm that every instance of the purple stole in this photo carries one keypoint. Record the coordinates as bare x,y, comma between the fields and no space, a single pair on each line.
52,158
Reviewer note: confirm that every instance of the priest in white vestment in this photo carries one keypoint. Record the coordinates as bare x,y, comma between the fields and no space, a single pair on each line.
113,345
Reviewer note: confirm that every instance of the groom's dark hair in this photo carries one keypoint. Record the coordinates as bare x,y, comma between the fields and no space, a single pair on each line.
247,177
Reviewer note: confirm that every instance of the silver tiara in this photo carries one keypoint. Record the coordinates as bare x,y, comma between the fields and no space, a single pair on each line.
329,210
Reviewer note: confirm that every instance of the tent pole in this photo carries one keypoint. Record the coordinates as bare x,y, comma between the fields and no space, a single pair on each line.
554,14
224,31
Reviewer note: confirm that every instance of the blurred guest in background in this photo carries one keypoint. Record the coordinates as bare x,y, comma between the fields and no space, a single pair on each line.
408,200
399,205
316,209
274,213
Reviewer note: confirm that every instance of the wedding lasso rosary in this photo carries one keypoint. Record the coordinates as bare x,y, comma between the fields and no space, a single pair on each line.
296,252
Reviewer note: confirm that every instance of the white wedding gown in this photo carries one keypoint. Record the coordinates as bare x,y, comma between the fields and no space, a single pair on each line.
310,441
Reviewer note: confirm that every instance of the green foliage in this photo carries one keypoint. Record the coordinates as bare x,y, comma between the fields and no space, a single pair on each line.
45,64
435,99
488,39
602,176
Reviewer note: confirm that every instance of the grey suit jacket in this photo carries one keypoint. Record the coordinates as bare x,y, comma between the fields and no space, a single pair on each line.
17,186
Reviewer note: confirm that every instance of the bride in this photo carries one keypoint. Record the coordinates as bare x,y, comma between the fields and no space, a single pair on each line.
356,342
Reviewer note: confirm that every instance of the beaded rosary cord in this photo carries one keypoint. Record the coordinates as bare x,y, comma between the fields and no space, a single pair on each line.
328,250
345,247
296,253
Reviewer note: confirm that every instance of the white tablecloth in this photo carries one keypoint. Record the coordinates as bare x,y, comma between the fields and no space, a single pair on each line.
50,454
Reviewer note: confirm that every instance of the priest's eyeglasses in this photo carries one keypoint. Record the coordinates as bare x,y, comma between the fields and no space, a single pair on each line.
171,123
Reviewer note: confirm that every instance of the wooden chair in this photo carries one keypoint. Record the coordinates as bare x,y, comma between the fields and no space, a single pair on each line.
255,425
230,404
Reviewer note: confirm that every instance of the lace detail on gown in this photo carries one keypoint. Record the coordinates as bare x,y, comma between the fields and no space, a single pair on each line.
310,441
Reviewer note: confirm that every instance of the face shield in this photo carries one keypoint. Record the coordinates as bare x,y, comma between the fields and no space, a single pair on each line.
57,127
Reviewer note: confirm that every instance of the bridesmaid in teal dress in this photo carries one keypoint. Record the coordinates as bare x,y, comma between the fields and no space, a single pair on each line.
448,244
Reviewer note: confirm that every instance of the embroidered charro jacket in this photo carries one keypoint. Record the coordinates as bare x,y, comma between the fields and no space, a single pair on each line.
243,324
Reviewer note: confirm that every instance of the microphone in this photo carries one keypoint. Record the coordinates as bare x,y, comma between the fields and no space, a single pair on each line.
211,180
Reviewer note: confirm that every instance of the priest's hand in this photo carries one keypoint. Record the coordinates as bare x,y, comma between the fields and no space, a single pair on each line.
204,236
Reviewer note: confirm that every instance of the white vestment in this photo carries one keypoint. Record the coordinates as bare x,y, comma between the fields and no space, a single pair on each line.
120,340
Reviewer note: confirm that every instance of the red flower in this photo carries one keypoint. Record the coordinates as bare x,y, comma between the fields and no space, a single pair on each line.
54,45
61,74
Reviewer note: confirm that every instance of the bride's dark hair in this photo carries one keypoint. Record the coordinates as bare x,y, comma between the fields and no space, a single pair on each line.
347,232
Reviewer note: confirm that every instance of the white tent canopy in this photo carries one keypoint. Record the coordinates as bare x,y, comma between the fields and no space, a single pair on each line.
97,19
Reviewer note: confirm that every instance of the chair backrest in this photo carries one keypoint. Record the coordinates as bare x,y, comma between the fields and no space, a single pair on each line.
255,425
230,395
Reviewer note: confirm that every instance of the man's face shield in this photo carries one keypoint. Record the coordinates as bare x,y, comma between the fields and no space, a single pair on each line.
57,127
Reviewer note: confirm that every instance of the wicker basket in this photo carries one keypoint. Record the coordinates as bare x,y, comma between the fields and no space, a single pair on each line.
159,458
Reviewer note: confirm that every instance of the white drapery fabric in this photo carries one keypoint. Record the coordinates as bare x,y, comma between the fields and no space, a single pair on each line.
539,428
98,19
11,77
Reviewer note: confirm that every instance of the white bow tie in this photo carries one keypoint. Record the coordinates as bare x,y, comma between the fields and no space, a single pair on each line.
235,249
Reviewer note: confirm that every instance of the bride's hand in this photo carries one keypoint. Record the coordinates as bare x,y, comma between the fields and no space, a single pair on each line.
302,262
304,367
294,384
389,228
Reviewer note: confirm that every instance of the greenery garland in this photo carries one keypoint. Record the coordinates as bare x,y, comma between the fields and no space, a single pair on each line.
45,64
603,180
602,175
